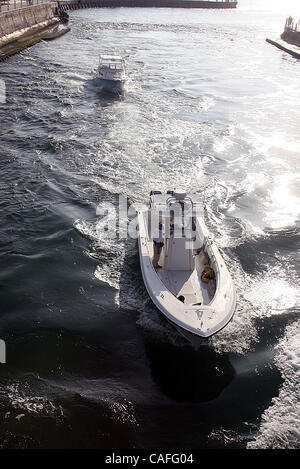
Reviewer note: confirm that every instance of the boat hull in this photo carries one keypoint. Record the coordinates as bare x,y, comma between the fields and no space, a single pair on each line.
166,310
110,85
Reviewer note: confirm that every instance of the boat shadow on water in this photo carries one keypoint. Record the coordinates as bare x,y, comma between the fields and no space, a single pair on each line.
185,369
187,375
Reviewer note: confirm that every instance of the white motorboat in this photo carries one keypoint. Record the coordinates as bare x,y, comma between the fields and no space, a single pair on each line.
183,270
112,70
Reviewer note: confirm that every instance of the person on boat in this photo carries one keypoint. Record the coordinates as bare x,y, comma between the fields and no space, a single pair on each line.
207,274
158,244
181,298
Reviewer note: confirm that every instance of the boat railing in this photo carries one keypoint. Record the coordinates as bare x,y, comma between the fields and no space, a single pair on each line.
173,199
214,265
169,199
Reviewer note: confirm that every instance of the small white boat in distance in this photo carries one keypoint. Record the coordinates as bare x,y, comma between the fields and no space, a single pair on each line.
112,69
183,270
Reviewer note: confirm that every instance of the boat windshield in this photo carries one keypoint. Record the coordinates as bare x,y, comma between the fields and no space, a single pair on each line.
112,63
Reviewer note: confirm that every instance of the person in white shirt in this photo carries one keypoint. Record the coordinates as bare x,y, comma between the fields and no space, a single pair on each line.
158,242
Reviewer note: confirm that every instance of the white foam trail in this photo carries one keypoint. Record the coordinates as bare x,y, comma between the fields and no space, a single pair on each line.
279,427
113,269
240,333
154,324
272,295
20,399
111,276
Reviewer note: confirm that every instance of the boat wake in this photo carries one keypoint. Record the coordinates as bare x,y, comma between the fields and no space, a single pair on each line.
279,428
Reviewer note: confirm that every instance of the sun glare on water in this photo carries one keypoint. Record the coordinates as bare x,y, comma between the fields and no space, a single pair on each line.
288,7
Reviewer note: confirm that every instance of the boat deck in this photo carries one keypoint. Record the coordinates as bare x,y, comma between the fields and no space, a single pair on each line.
187,284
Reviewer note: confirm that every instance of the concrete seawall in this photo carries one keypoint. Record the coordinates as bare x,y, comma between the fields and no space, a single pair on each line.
22,27
15,20
66,5
294,51
290,38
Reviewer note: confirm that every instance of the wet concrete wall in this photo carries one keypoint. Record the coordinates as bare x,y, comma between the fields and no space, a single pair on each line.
17,20
77,4
24,27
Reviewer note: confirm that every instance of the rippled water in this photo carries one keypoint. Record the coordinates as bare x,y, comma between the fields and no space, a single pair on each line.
209,104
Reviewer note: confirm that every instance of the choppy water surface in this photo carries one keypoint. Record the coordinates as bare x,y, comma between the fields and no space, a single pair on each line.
209,104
